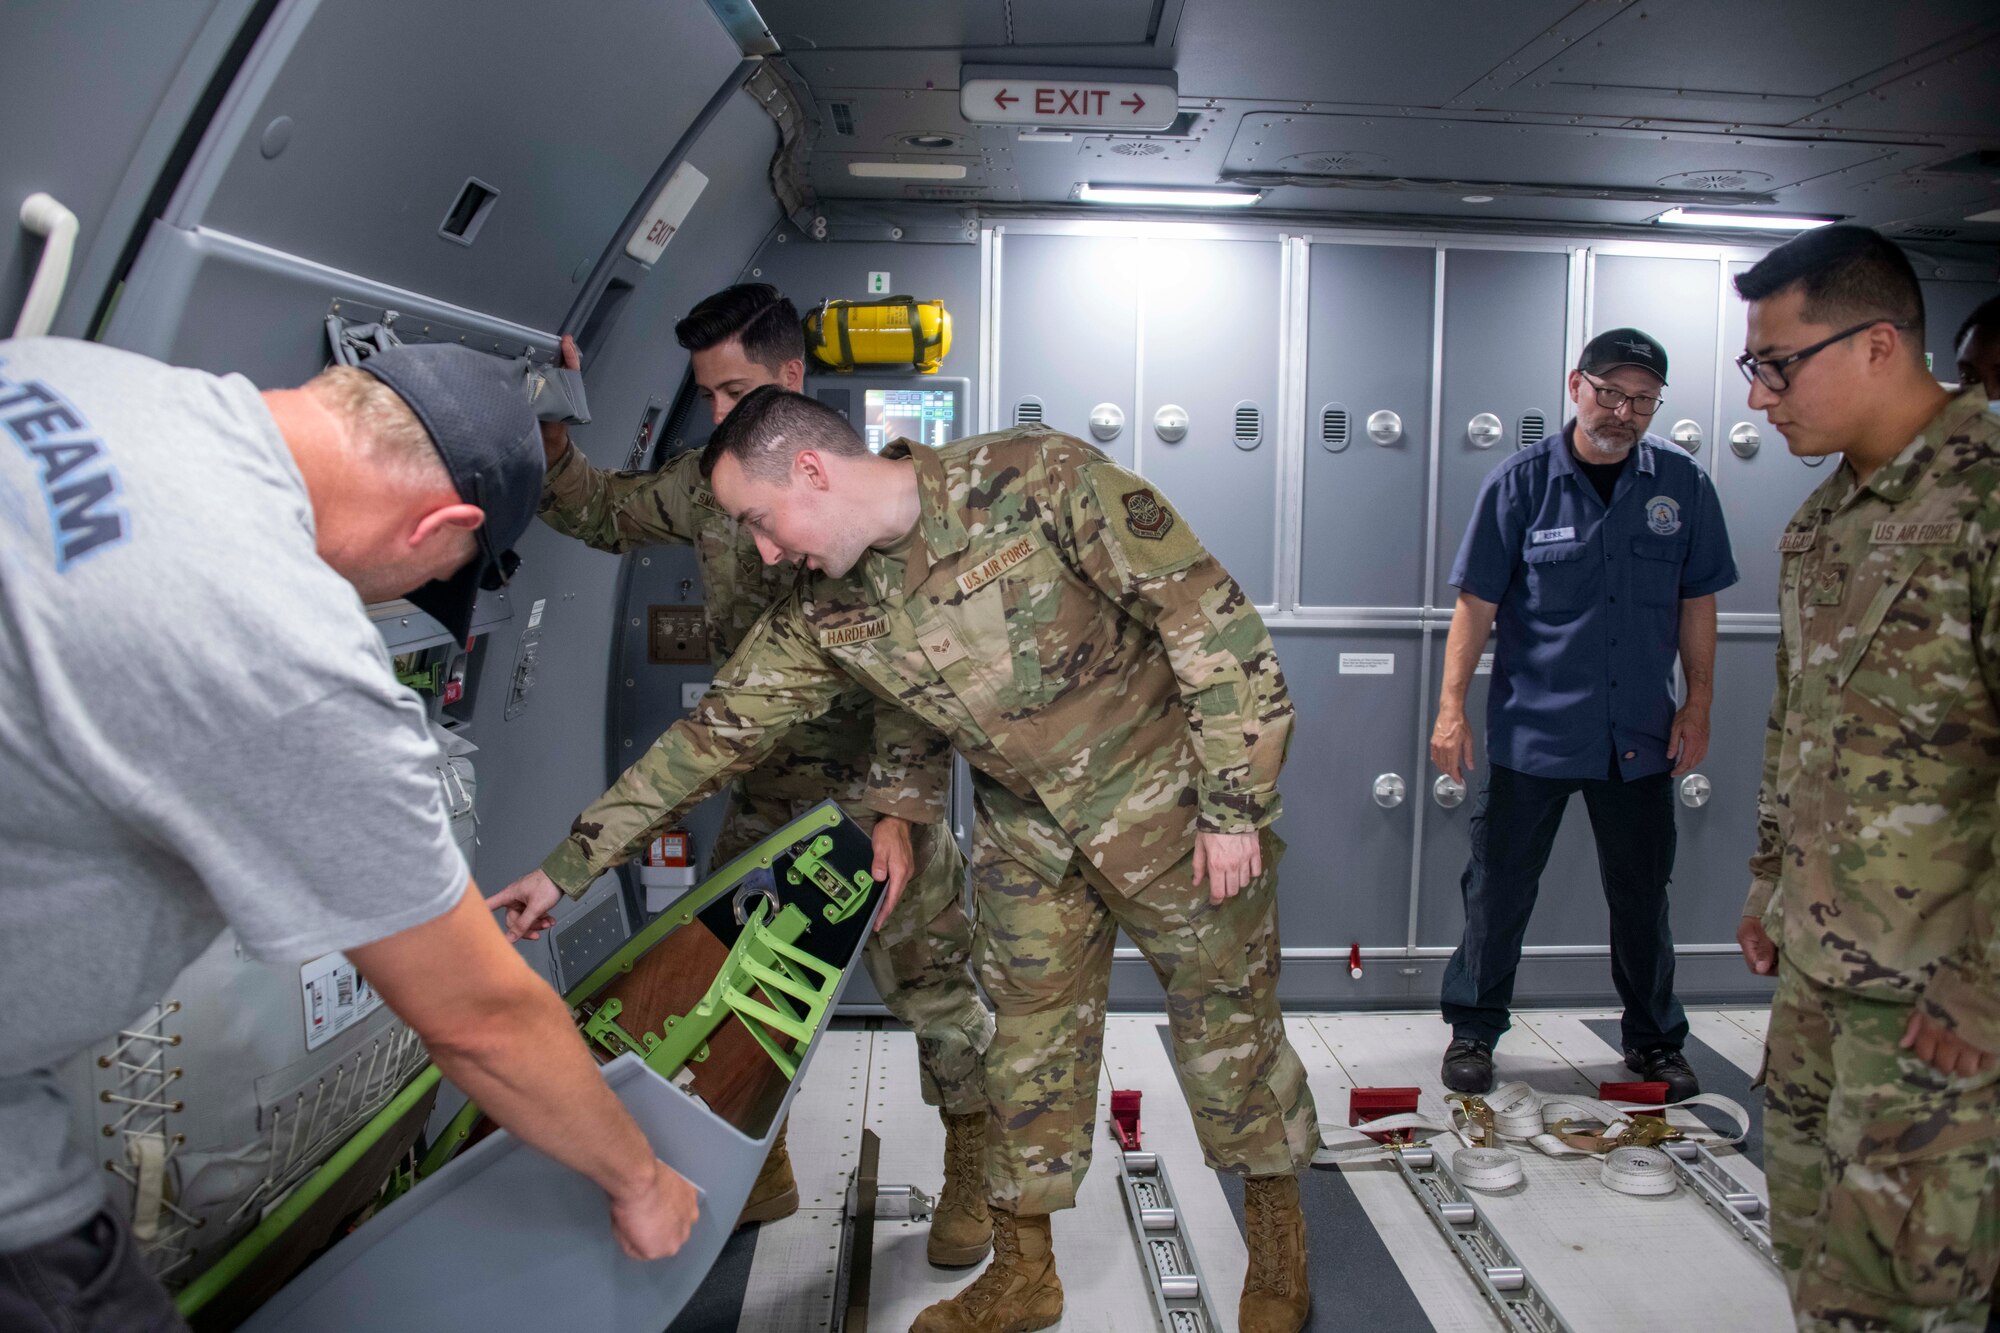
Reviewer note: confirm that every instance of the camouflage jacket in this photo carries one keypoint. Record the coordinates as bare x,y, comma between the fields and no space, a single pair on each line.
858,751
1875,866
1051,615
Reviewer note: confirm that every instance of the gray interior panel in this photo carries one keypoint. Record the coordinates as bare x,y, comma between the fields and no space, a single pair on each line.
1087,356
1346,874
1760,492
1675,301
393,107
1504,313
96,98
1209,325
1368,350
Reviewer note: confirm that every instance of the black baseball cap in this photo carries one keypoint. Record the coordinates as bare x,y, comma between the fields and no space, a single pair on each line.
1623,347
475,408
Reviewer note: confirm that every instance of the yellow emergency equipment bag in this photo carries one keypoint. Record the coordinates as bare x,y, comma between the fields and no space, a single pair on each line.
892,331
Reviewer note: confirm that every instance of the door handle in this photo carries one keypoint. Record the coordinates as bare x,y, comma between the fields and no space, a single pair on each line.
42,215
1447,791
1389,791
1695,791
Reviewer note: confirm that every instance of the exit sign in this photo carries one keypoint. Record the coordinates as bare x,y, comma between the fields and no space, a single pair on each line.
1067,99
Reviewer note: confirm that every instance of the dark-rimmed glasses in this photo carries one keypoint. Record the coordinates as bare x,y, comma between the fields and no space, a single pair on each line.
1772,373
1610,399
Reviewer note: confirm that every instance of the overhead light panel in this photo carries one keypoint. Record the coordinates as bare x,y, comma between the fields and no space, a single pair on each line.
1696,217
1148,196
908,171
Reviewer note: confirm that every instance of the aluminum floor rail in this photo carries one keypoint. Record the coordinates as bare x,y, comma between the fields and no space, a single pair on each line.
1501,1277
1173,1276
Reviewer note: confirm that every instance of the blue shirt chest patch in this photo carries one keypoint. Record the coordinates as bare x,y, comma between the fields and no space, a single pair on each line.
1663,515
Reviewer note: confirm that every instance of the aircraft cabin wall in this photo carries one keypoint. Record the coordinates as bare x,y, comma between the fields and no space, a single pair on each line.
1283,349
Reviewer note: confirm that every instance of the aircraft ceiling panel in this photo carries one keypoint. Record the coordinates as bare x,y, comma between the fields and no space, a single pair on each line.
390,107
1954,95
802,25
1744,54
1488,150
1415,53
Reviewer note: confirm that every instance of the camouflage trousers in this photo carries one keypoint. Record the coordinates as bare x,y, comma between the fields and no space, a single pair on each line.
1884,1174
919,961
1044,956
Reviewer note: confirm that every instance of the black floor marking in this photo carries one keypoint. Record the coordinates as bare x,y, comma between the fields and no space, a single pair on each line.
1717,1072
717,1304
1355,1281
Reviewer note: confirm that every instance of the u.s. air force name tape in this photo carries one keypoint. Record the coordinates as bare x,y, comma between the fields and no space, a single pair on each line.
1556,1125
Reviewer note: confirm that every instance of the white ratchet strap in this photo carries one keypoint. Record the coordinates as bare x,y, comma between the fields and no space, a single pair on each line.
1555,1125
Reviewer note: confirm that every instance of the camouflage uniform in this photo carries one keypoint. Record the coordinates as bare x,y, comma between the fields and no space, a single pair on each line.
1875,876
1116,692
919,961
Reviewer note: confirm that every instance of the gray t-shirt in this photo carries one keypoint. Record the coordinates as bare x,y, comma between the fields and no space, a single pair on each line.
199,727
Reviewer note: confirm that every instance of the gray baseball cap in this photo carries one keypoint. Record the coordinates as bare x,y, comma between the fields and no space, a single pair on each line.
476,410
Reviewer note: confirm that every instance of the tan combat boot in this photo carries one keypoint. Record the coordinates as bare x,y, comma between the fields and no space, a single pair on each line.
962,1228
1275,1298
1018,1292
776,1193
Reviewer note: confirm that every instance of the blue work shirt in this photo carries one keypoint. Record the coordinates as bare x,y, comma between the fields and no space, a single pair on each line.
1589,599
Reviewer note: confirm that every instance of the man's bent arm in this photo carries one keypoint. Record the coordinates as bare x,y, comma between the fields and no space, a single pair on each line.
1151,565
776,680
620,511
497,1031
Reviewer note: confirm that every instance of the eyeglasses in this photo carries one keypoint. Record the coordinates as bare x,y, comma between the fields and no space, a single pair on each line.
1772,374
1610,399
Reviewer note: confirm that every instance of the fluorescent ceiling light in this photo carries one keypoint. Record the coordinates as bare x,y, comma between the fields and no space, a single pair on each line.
910,171
1146,194
1044,136
1990,215
1695,217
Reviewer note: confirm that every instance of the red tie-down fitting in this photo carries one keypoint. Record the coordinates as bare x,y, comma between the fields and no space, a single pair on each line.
1365,1104
1644,1094
1125,1118
1354,961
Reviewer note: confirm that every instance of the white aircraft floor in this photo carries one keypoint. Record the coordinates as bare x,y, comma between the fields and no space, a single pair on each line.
1607,1261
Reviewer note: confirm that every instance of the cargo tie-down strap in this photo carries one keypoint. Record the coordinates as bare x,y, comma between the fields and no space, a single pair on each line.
1627,1135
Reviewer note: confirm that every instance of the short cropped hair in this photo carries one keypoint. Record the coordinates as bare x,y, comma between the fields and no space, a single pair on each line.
384,425
757,313
1985,318
1848,274
769,426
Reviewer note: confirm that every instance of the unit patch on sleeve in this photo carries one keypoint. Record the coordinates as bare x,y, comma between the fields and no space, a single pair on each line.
993,566
1146,516
1891,533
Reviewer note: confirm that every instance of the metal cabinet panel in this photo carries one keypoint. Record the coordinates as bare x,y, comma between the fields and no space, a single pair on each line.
1209,329
1068,325
1505,312
1711,872
1346,875
355,126
1758,493
1570,908
1674,300
1368,350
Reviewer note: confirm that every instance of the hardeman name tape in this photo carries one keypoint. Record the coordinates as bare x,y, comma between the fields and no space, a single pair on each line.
991,568
1890,533
856,633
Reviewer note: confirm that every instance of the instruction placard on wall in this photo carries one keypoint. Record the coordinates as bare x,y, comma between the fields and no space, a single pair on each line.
1485,667
1367,664
337,997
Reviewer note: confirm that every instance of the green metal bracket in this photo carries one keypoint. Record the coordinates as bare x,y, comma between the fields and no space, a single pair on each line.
847,896
789,976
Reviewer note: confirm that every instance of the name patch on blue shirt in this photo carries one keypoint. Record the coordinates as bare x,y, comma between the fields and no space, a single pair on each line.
1547,535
